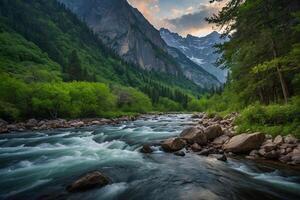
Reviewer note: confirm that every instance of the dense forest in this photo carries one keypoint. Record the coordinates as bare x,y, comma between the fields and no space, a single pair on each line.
263,57
52,65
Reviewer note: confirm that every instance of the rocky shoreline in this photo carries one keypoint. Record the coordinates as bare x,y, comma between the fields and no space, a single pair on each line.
36,125
216,137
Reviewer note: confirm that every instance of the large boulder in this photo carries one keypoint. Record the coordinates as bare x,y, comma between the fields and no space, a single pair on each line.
173,144
89,181
221,140
244,143
278,140
194,135
213,132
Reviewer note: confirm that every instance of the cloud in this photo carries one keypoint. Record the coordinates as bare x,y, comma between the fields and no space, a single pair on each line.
184,17
194,22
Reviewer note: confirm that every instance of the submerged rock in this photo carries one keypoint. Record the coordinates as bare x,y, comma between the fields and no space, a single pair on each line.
220,157
173,144
244,143
179,153
146,149
89,181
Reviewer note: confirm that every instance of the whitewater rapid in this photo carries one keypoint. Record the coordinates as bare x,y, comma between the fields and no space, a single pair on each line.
35,164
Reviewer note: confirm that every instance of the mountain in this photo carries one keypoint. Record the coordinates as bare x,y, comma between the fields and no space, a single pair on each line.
199,49
125,30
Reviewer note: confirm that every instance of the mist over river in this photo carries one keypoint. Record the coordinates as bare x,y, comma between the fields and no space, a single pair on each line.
35,164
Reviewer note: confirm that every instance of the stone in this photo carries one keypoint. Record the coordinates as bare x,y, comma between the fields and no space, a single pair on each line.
146,149
31,123
89,181
221,140
196,147
262,152
194,135
204,152
220,157
3,123
179,153
278,140
213,132
296,160
269,146
253,153
244,143
286,158
290,139
173,144
77,124
271,155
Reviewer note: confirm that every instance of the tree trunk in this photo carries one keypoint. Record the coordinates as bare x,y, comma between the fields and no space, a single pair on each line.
280,74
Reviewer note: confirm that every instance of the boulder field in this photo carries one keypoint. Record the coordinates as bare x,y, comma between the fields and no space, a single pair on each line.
216,137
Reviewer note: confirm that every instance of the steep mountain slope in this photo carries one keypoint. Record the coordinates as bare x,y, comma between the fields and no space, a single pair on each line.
125,30
199,49
37,38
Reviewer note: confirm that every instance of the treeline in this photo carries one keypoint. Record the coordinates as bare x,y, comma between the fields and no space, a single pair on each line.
263,55
52,65
19,100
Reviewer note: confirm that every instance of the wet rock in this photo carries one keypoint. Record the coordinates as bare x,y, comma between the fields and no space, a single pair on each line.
220,157
278,140
173,144
213,132
89,181
196,147
204,152
221,140
146,149
194,135
244,143
179,153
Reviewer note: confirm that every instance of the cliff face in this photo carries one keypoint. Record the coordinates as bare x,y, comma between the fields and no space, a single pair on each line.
125,30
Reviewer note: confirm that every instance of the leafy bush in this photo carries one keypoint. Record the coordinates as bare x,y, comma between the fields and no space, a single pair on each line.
165,104
272,119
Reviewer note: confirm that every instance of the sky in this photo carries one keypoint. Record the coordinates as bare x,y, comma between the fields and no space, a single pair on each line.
180,16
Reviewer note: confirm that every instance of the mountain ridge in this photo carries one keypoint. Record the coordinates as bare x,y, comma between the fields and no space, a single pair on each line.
199,49
125,30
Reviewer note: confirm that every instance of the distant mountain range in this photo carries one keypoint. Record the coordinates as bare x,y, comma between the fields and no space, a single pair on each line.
125,30
199,49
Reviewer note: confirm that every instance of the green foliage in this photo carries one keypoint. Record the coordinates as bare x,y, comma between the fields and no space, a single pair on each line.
132,100
165,105
273,119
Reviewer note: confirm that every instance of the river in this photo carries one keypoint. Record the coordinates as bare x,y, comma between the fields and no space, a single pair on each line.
34,164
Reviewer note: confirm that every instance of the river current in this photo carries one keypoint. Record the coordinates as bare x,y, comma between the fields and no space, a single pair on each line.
35,164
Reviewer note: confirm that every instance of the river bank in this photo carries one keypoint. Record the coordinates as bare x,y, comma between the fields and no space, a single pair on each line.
37,125
46,164
217,137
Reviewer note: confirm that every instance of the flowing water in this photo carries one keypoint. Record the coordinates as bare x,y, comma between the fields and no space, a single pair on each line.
34,164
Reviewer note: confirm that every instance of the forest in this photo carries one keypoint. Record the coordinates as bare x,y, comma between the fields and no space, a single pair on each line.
263,57
53,66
